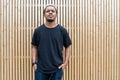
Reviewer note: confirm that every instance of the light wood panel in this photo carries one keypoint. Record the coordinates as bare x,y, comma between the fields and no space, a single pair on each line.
94,28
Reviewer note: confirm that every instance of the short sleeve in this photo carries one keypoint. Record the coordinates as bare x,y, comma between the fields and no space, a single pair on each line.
35,38
66,39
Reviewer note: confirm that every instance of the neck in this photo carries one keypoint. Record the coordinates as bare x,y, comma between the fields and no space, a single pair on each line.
50,24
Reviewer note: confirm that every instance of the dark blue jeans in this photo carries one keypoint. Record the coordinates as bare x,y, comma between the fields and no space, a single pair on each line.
53,76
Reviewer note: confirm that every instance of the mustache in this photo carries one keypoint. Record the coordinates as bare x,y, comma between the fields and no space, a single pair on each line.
50,14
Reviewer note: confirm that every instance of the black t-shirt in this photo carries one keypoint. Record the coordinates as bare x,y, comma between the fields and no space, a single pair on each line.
50,42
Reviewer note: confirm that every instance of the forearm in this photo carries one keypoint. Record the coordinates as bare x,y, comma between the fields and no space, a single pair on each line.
67,54
34,53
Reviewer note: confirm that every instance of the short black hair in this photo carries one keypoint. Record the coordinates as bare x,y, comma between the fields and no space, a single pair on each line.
48,6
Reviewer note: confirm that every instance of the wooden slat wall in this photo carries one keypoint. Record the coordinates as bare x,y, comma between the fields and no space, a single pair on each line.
93,25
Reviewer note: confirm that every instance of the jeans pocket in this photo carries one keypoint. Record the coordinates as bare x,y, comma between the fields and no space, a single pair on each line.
59,74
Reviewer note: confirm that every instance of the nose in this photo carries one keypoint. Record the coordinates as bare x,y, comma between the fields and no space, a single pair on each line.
50,11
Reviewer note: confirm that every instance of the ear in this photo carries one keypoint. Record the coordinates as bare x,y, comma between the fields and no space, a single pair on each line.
43,14
56,14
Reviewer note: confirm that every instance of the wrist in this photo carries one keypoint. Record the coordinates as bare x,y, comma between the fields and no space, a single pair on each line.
33,63
65,62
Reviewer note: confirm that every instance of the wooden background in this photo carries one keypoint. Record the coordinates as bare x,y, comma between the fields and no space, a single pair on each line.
93,25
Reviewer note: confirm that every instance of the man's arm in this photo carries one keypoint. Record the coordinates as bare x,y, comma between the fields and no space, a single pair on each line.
67,57
34,57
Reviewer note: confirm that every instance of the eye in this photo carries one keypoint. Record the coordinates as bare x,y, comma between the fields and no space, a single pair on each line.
50,10
53,10
47,11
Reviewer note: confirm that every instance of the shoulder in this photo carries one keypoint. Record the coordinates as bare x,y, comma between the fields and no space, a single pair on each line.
38,28
63,29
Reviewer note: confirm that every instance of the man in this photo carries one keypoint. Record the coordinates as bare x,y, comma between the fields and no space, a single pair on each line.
48,41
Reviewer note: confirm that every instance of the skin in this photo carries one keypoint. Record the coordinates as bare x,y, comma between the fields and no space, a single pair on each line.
50,16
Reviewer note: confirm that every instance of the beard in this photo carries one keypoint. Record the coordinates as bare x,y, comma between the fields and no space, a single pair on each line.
50,20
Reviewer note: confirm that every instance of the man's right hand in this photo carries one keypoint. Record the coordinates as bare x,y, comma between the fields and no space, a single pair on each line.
35,67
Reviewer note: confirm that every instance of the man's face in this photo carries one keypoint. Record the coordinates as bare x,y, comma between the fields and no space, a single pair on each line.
50,14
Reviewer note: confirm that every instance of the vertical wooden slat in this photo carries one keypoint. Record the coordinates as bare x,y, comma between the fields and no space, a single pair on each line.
22,7
113,38
11,41
8,40
4,34
102,26
15,40
1,38
69,20
93,40
81,40
78,41
117,40
72,33
108,36
100,39
115,61
97,39
28,42
30,32
18,39
104,41
88,40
